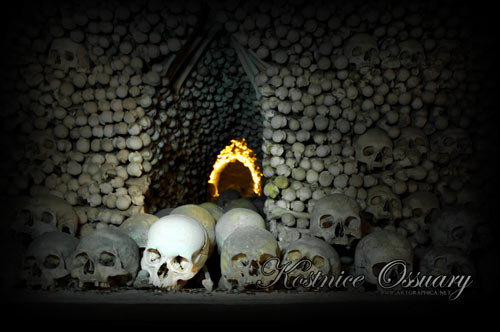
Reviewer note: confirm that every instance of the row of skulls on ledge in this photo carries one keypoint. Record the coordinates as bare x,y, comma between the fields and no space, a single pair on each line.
170,248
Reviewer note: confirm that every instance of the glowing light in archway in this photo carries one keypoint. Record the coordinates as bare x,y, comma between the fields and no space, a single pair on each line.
236,151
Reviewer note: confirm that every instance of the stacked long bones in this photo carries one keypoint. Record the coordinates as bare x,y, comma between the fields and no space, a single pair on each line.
370,128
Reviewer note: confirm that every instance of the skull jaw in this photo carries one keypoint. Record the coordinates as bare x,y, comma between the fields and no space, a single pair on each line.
102,278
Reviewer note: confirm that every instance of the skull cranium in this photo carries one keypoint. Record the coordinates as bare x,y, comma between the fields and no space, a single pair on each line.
323,257
374,148
410,146
421,204
242,257
65,54
383,205
45,213
47,260
377,249
337,219
177,248
361,50
105,258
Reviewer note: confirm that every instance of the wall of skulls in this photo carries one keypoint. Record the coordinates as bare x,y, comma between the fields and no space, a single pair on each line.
381,103
91,117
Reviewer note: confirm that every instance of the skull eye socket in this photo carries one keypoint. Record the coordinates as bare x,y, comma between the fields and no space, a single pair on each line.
326,221
351,221
264,258
107,259
68,56
368,151
294,255
154,256
318,261
376,268
239,260
47,218
81,259
418,212
395,203
376,200
448,141
459,233
29,261
51,262
356,51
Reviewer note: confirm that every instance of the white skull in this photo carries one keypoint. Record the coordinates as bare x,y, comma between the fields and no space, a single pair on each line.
411,53
446,261
41,145
233,220
65,54
203,217
421,204
324,257
47,260
454,227
137,227
43,214
383,205
410,146
452,141
377,249
242,256
105,258
374,148
177,249
361,50
337,219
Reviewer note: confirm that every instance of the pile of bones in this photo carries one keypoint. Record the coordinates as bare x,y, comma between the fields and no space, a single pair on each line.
368,119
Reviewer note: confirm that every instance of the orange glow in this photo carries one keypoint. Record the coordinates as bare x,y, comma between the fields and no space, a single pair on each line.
237,151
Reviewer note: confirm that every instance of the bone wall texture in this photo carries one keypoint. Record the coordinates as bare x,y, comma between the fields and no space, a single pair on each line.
110,136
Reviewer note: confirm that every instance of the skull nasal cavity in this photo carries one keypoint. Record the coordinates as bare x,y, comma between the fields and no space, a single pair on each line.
89,267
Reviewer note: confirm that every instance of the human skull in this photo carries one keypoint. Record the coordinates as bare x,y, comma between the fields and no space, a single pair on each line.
65,54
411,53
454,227
324,257
137,227
105,258
43,214
242,256
337,219
40,146
203,217
410,146
446,261
361,50
373,148
233,220
177,249
47,260
383,205
452,141
421,204
377,249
